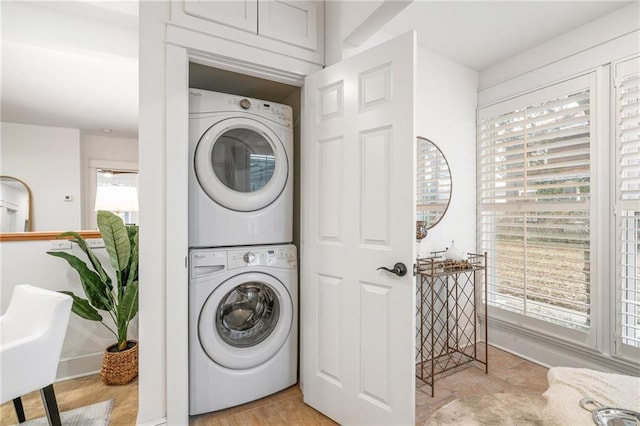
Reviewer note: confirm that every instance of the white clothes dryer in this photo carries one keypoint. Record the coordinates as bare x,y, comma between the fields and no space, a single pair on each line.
243,324
240,171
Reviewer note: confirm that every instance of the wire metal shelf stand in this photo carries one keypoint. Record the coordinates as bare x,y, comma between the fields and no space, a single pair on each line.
449,294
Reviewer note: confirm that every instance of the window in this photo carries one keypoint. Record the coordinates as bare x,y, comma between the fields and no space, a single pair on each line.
534,202
117,191
627,93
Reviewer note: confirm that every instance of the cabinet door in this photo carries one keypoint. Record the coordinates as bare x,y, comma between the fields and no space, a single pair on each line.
293,22
241,14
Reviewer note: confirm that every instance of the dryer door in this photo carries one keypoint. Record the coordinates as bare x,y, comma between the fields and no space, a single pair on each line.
241,164
246,320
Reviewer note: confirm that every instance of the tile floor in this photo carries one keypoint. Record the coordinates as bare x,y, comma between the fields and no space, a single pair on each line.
507,373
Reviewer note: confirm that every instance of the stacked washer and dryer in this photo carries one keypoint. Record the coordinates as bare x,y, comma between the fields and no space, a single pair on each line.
243,289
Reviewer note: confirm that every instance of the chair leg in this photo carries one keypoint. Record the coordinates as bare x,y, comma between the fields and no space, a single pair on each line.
50,405
17,404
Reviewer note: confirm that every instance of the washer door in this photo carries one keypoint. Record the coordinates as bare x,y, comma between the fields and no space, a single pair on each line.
245,320
241,164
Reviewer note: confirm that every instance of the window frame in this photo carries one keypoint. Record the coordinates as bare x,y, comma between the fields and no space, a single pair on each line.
599,82
619,350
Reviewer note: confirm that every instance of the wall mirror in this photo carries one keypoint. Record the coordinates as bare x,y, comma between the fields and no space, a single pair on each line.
433,183
16,205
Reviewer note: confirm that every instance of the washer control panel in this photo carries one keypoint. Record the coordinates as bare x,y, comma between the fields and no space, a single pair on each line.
272,256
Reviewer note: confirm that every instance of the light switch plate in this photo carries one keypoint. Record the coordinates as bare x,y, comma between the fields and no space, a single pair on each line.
95,242
61,245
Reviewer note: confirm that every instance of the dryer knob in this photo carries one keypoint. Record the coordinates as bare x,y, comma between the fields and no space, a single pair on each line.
249,257
245,104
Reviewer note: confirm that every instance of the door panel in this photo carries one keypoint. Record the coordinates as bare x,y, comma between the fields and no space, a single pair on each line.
241,14
376,191
329,155
328,333
358,179
293,22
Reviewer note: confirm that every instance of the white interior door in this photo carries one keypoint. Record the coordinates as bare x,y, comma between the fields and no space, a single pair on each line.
358,213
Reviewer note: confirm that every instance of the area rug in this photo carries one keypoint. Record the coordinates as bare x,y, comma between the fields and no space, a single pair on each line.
92,415
496,409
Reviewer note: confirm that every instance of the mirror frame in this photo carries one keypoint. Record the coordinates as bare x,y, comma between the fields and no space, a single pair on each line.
30,235
30,224
418,138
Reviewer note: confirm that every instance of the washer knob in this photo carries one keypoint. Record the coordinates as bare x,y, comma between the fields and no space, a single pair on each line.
249,257
245,104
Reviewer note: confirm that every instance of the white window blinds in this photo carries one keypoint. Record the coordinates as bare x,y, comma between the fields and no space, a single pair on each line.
627,91
534,202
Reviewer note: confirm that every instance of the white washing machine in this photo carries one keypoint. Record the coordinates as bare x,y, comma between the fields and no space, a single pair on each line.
243,324
240,171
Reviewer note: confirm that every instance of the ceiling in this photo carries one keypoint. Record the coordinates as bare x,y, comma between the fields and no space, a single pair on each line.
71,64
75,63
480,34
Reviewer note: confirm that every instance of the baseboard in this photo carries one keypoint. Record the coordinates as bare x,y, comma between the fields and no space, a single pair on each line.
158,422
79,366
553,352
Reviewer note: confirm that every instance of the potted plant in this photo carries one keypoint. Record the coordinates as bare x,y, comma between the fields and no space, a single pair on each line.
119,301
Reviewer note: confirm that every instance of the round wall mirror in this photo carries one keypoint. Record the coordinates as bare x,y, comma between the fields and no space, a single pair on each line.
16,210
433,184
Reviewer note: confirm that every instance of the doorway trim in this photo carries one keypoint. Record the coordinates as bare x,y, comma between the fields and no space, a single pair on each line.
176,198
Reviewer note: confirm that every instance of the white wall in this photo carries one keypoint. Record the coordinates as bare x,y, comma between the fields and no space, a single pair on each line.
446,114
104,147
48,160
26,262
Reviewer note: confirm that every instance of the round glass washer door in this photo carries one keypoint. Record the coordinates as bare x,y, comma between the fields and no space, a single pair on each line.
245,320
241,164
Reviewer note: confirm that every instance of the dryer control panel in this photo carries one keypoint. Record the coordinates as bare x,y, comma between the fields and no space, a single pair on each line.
204,101
277,112
271,256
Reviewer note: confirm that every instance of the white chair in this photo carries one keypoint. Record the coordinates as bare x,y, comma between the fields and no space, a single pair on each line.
31,334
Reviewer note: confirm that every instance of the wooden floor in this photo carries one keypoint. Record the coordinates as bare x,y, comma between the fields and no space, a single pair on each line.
507,373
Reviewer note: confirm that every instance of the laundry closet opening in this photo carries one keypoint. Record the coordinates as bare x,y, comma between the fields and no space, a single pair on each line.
237,154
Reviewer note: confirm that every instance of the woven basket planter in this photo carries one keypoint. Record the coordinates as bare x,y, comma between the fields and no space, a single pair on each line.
119,368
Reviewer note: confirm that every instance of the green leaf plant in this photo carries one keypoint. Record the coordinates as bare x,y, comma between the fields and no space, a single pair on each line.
120,302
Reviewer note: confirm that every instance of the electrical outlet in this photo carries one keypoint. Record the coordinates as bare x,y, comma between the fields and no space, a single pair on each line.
60,245
95,242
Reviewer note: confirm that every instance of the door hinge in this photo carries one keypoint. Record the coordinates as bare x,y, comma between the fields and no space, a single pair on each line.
415,269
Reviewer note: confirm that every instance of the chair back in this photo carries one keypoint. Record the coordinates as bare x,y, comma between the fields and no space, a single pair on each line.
36,319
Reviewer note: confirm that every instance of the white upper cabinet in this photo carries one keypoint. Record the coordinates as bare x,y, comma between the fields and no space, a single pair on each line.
294,28
293,22
242,14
